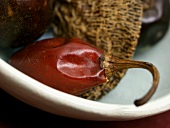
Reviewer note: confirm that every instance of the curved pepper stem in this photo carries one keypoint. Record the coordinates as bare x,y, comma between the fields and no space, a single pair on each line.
113,64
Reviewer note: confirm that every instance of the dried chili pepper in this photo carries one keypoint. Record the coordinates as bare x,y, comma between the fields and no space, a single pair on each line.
112,25
74,66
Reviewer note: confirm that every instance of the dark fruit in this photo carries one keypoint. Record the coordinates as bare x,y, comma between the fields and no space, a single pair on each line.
155,23
23,21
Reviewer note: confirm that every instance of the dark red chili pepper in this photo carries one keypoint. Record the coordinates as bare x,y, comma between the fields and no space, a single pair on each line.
74,66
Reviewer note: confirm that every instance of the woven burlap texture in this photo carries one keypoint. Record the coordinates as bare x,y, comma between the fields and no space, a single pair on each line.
112,25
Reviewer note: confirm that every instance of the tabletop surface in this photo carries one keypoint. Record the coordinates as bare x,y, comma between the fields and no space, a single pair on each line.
16,114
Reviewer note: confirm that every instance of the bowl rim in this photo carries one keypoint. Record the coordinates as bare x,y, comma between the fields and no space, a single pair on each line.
56,102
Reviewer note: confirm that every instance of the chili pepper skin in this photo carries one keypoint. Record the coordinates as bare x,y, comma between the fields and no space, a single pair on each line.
74,66
71,66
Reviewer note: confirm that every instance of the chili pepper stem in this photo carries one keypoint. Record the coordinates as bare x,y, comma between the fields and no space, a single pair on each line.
113,64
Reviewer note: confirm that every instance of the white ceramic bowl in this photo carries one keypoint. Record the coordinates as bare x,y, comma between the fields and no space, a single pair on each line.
117,105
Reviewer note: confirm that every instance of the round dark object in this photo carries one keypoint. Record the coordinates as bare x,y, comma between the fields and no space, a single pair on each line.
23,21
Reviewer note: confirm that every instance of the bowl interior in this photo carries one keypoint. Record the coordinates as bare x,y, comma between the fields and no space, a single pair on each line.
136,82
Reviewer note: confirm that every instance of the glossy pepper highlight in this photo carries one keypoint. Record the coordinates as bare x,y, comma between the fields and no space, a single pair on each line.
74,66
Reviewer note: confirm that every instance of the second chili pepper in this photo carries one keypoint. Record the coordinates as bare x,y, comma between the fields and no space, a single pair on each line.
74,66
